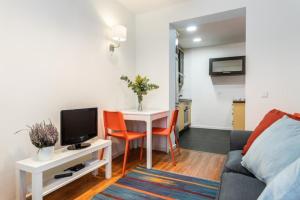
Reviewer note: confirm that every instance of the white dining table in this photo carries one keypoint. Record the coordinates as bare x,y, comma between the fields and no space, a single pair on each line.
147,116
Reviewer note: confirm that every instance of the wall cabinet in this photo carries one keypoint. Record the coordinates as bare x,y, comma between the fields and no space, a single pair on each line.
227,66
184,115
181,107
238,115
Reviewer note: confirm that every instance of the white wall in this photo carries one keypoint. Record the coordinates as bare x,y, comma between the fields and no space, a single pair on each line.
54,55
273,29
152,42
211,96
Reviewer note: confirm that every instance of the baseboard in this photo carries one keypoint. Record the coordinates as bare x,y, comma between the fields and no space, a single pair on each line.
158,148
210,127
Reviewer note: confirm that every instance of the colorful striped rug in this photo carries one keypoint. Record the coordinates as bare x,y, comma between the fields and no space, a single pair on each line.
141,183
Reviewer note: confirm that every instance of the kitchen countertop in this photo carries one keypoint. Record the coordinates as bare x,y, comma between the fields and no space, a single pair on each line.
238,101
185,100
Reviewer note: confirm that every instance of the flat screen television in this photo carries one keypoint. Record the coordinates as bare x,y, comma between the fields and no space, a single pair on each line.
78,126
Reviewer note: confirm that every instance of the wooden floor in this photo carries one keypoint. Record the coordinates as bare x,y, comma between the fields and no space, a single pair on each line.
192,163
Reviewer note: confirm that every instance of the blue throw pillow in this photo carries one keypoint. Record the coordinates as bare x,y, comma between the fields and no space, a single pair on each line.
276,148
285,186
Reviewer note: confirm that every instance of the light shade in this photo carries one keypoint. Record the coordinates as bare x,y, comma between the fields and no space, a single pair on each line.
119,33
191,28
198,39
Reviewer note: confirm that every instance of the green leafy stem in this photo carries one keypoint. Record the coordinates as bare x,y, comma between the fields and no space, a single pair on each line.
140,86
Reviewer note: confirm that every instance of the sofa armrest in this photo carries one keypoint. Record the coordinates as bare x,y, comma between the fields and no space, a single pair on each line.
238,139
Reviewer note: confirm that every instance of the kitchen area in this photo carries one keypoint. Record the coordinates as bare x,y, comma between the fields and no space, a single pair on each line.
184,105
222,71
210,73
210,66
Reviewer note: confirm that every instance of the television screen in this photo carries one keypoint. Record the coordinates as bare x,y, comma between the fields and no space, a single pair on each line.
78,125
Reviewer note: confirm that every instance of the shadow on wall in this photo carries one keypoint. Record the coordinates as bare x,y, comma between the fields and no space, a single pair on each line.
228,80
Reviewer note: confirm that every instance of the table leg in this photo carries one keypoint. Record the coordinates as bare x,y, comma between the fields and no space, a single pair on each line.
21,185
149,143
107,156
37,186
95,156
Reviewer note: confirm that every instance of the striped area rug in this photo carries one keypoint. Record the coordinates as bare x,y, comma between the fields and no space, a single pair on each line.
141,183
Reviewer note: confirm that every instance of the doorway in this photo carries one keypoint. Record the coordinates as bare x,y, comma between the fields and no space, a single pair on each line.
206,101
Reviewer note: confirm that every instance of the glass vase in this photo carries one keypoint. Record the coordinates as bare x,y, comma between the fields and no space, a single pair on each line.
140,107
140,100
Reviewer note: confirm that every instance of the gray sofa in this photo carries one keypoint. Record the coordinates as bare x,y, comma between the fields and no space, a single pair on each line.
237,183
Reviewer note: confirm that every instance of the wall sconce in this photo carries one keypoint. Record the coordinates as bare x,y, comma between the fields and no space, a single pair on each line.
119,34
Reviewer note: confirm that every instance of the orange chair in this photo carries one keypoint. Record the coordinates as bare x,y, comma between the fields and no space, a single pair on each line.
167,133
114,126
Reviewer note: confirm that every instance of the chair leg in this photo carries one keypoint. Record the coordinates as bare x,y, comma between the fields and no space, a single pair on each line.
172,151
129,148
125,157
142,147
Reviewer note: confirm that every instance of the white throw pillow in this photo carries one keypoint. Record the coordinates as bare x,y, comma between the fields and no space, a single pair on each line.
276,148
285,186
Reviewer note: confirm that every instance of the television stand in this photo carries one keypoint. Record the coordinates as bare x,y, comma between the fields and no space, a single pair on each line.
42,186
78,146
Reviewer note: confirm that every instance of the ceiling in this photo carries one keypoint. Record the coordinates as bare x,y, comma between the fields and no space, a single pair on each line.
140,6
219,29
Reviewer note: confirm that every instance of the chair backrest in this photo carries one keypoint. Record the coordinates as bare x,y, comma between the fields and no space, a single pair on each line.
174,119
114,121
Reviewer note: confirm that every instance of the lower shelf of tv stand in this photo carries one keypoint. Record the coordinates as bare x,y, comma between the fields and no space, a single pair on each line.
54,184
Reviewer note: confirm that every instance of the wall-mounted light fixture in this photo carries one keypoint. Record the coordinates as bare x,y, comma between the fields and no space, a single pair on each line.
119,34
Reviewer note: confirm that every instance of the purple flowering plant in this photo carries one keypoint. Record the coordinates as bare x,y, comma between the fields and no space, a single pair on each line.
43,134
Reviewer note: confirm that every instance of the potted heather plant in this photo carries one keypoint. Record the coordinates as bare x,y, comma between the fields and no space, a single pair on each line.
140,86
43,136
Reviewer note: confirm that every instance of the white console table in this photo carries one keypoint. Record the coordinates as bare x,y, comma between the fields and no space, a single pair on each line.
41,188
147,116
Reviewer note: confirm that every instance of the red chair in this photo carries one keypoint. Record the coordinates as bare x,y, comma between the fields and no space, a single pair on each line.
114,126
167,133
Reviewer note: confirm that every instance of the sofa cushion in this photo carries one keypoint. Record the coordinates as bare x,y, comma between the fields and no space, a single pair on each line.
274,150
237,186
269,119
233,163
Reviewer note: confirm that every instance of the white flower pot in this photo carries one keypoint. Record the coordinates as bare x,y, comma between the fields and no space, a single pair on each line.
45,153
